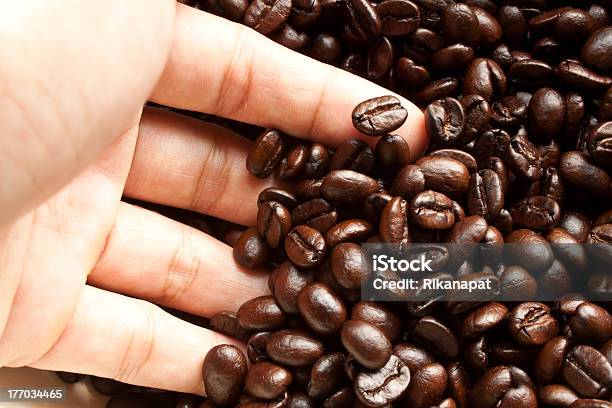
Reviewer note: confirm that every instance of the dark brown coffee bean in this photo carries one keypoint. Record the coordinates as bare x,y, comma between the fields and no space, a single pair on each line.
503,222
392,153
353,230
452,59
597,49
508,114
514,25
355,155
225,369
537,213
408,182
291,38
566,248
227,323
588,371
267,380
316,213
363,20
517,284
546,114
483,319
460,25
464,157
250,250
411,74
477,113
347,187
577,224
458,384
309,188
273,223
256,347
260,313
490,29
574,26
470,230
604,112
267,16
305,246
377,116
412,355
294,348
399,17
380,388
529,249
485,194
476,355
305,13
394,222
432,210
427,386
445,175
591,403
550,359
326,376
288,283
380,59
317,161
591,324
444,120
321,308
380,316
293,163
266,153
557,396
279,195
345,398
349,265
532,324
580,78
325,47
493,142
434,335
367,343
599,144
486,78
578,170
438,89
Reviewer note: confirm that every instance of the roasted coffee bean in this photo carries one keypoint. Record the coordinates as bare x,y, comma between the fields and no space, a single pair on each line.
399,17
514,25
498,387
293,163
580,78
591,403
438,89
477,113
464,157
392,153
316,213
532,324
367,343
408,182
452,59
486,78
529,249
476,356
256,347
380,316
353,230
363,20
458,384
380,59
508,114
578,170
309,189
231,9
377,116
550,359
321,308
556,395
305,13
294,348
599,144
412,355
597,50
485,194
577,224
394,227
260,313
604,113
69,378
267,380
267,152
305,246
411,74
574,26
326,48
267,16
517,284
382,387
546,114
288,283
227,323
291,38
344,398
537,213
460,25
445,175
326,376
225,369
273,223
523,158
587,371
317,160
354,155
427,386
591,324
433,334
470,230
483,319
347,187
281,196
444,120
432,210
600,237
349,265
250,250
490,29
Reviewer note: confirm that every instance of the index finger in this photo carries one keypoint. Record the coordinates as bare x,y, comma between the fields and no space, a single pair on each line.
223,68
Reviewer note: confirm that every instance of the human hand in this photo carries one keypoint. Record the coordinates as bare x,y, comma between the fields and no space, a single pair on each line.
80,270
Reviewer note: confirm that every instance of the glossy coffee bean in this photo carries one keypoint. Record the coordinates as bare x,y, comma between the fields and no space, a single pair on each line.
250,250
432,210
434,335
326,376
309,188
427,386
267,380
294,348
225,369
483,319
377,116
486,78
577,224
266,16
587,371
523,158
461,156
458,384
591,403
394,227
380,316
227,323
460,25
305,246
352,230
266,153
349,265
291,38
444,121
288,283
287,199
546,114
326,47
437,89
485,194
321,308
591,324
273,223
599,144
477,113
317,161
496,387
256,347
354,154
581,79
347,187
408,182
343,398
231,9
537,213
363,20
292,165
411,74
550,359
578,170
444,175
597,49
367,343
260,313
531,324
392,153
399,17
383,386
517,284
557,395
316,213
452,59
490,29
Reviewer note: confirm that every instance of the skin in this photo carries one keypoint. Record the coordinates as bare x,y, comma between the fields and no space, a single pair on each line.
81,270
